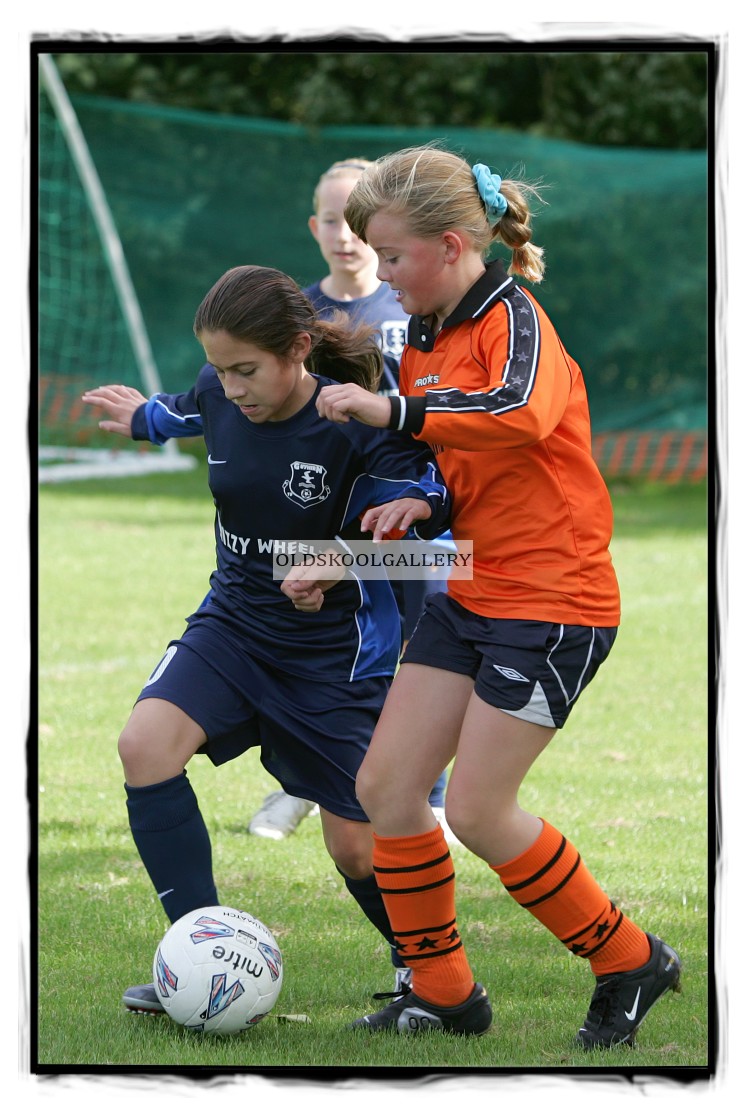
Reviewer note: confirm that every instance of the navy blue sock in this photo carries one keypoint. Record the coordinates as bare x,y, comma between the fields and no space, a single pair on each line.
368,896
173,843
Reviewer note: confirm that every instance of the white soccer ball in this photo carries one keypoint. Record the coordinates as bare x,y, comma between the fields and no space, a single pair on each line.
218,970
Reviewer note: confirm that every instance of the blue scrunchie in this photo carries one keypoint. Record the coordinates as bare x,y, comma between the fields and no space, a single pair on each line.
489,188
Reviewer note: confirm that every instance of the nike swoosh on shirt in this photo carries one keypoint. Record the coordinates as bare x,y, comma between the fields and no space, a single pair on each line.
164,893
631,1014
213,461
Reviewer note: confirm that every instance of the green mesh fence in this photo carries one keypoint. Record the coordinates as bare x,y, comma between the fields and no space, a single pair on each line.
82,332
625,233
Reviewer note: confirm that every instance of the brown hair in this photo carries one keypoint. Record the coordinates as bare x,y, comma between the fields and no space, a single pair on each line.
267,308
435,190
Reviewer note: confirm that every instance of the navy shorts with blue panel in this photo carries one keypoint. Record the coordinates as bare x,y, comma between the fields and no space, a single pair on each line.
533,670
312,735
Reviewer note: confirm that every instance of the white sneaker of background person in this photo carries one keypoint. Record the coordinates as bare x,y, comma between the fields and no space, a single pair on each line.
280,814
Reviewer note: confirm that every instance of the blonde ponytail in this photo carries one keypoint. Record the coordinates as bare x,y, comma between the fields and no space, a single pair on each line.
514,230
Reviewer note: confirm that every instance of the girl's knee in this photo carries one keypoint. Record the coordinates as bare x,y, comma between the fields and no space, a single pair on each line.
467,820
130,745
353,855
157,742
351,848
146,760
135,751
494,832
371,791
354,864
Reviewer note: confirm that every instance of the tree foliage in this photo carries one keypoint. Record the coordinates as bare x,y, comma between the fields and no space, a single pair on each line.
634,98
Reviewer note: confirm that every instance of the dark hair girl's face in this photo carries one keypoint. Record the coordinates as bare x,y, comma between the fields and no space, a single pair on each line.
263,386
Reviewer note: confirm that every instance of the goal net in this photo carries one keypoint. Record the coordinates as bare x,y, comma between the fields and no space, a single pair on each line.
90,329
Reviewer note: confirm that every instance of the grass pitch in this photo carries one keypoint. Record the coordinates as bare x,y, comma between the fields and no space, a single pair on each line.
629,780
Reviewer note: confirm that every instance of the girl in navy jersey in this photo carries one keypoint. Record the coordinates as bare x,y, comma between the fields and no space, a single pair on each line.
351,287
496,665
300,668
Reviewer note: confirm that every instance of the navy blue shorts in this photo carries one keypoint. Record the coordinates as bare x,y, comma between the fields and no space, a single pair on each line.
533,670
312,734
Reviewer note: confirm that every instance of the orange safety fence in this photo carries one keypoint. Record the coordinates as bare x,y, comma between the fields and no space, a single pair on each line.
658,455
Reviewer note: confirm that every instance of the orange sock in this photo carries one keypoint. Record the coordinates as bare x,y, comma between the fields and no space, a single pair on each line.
552,883
416,878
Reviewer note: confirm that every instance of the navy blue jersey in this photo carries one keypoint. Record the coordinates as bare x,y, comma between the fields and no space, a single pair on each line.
382,311
297,479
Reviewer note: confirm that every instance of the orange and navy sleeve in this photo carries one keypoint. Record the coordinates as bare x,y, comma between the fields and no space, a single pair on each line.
523,376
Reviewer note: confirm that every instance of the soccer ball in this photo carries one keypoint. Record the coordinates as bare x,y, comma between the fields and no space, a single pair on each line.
218,970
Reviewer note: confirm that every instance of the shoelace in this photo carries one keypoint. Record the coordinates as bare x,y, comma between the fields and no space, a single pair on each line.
403,991
603,1002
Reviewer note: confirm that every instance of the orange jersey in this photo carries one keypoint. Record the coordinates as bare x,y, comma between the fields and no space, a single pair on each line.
504,408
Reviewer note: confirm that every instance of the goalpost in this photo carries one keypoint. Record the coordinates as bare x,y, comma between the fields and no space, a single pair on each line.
90,326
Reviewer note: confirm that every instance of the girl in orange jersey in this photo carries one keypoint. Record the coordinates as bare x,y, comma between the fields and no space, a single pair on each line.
496,664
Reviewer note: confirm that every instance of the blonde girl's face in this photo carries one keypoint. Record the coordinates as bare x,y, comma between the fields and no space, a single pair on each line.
414,267
264,387
341,249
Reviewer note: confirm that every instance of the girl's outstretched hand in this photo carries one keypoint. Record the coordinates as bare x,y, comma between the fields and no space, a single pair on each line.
120,401
394,517
341,403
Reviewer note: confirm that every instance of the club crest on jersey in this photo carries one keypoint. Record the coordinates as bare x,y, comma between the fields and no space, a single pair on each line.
393,337
306,485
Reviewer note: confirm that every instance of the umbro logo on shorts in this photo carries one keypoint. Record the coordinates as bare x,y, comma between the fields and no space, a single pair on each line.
512,674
